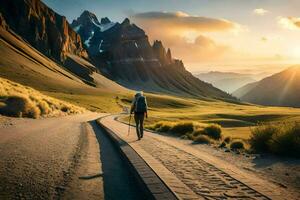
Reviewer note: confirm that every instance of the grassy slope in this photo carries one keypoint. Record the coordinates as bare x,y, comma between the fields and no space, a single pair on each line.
23,64
22,101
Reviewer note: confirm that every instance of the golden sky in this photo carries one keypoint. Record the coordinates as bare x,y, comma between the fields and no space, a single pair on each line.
219,34
200,40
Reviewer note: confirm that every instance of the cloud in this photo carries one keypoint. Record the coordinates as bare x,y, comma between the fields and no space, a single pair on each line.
260,11
290,23
185,22
202,49
185,34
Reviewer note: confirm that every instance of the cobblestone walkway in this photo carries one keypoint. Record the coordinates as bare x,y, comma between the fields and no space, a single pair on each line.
203,178
196,175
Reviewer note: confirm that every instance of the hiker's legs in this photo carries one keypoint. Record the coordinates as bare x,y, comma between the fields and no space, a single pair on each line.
142,116
137,121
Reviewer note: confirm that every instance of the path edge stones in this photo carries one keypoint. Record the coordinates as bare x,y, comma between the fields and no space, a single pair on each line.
149,182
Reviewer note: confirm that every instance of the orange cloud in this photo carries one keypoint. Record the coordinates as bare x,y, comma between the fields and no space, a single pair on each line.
184,33
290,23
202,49
183,22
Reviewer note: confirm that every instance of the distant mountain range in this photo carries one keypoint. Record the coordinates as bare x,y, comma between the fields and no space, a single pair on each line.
227,81
37,42
280,89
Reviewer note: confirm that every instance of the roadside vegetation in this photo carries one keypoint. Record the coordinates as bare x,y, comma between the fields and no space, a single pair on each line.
199,133
281,139
17,100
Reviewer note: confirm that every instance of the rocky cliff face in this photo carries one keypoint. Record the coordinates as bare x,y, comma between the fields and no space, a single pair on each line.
44,29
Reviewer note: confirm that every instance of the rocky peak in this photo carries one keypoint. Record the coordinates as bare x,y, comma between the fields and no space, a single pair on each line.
169,55
160,52
126,22
89,16
86,19
105,20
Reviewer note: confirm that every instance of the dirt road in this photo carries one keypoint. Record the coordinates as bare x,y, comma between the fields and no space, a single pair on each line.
60,158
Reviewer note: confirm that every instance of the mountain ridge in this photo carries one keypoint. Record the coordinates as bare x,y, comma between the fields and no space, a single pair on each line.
124,54
280,89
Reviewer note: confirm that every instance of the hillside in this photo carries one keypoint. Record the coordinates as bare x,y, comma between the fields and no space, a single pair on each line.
281,89
226,81
19,101
22,63
244,89
123,53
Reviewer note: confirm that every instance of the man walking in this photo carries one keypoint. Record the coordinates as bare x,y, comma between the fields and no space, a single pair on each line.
139,107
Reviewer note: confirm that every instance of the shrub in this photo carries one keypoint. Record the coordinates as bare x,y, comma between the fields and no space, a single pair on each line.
190,136
281,139
34,112
261,135
64,109
222,145
237,144
213,131
163,126
198,132
19,106
227,140
202,139
182,128
287,141
44,107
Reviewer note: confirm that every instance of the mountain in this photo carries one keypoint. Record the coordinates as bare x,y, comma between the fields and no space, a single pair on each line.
123,53
41,60
226,81
281,89
44,29
40,47
244,89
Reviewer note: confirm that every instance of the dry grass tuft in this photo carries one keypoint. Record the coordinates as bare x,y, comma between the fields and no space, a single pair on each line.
202,139
237,144
21,101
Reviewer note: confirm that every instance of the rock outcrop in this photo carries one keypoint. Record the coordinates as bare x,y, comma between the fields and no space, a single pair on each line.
43,28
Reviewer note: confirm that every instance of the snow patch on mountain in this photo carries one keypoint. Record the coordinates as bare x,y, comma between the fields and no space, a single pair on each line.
100,50
87,42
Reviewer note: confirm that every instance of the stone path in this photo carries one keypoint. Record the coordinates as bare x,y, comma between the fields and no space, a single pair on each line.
190,173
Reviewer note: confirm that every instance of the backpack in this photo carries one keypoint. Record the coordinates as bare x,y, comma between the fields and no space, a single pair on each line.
141,105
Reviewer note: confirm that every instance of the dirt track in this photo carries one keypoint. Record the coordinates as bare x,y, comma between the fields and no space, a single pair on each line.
61,158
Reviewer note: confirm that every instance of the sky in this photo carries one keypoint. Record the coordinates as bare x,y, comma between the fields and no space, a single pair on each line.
224,35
